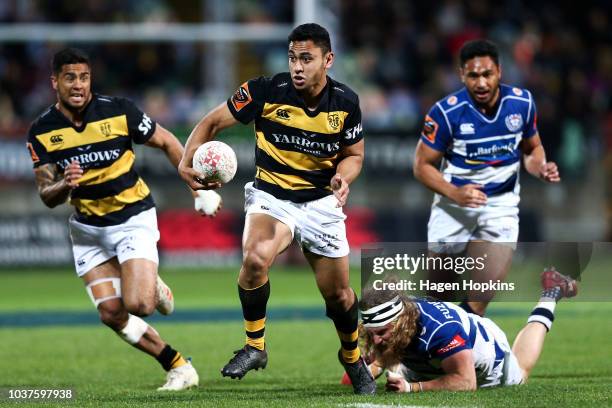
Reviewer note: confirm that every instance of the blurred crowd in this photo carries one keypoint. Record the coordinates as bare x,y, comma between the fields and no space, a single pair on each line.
400,56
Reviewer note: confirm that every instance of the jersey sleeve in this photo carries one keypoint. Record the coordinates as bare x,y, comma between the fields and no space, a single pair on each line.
247,102
353,129
436,133
448,340
531,124
140,126
38,153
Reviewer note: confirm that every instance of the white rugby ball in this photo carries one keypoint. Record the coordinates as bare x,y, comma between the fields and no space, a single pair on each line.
215,161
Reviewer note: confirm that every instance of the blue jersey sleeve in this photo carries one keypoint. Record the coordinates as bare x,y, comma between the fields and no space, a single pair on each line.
448,340
436,133
531,124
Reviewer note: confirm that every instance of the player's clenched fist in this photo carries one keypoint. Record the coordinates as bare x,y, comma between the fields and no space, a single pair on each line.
549,172
72,174
340,188
469,195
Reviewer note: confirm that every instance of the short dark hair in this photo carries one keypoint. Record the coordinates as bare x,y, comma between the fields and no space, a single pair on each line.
68,56
314,32
479,48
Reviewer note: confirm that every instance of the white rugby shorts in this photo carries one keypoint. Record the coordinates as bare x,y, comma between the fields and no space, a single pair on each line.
451,227
135,238
318,225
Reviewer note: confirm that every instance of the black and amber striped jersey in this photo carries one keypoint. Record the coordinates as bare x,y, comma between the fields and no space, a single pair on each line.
110,191
297,149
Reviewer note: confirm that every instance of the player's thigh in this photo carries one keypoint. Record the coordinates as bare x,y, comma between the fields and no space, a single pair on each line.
331,275
321,230
103,285
263,238
450,228
138,282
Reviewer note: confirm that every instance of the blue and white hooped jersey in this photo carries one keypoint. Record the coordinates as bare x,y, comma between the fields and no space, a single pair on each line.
445,329
478,148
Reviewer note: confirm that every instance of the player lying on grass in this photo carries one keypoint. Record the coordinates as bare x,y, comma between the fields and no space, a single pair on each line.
430,346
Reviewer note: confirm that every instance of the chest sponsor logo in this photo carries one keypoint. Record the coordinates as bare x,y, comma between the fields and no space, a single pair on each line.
491,150
514,122
56,139
92,159
306,145
467,129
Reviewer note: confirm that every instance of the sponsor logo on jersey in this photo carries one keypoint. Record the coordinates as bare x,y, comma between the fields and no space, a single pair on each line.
282,114
452,100
33,155
517,91
241,97
514,122
56,139
467,129
91,158
457,341
303,143
430,128
353,132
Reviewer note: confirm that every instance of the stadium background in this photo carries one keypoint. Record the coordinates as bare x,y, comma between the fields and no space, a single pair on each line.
177,59
182,58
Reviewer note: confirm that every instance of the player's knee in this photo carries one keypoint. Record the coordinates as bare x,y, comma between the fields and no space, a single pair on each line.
139,307
255,265
113,316
339,298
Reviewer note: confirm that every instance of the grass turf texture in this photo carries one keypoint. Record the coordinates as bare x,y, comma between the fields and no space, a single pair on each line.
574,369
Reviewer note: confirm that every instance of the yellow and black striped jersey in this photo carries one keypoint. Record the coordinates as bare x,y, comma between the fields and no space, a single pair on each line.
110,190
297,149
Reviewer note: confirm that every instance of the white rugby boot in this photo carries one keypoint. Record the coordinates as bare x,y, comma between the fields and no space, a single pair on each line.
165,299
181,378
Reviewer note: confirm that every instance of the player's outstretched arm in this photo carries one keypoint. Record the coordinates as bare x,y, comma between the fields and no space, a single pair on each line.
164,139
347,171
216,120
535,160
425,168
52,187
460,376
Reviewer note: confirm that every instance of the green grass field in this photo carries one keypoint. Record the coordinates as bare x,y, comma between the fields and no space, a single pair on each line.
574,369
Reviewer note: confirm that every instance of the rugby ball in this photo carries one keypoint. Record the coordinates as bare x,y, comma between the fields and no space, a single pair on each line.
215,161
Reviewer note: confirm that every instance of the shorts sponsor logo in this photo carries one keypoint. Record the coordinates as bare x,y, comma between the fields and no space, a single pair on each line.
457,341
241,97
81,262
263,207
430,128
514,122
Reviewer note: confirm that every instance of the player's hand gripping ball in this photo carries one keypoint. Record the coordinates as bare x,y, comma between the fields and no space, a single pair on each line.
215,161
